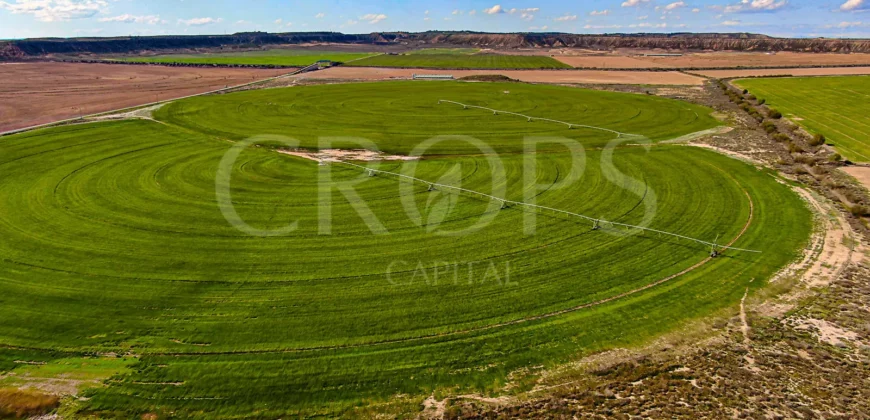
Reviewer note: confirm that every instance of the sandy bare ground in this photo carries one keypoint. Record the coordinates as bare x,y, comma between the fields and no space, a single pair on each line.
39,93
833,71
840,245
535,76
336,155
861,173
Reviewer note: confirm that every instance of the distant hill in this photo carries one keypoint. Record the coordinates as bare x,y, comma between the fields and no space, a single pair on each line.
675,41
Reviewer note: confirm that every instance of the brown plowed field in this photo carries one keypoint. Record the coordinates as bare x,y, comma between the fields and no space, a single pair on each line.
737,59
39,93
831,71
534,76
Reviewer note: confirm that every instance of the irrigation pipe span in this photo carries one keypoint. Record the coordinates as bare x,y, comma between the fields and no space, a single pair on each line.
530,118
596,223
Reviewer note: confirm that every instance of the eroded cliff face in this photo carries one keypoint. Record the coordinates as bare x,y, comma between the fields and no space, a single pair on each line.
713,42
10,51
677,41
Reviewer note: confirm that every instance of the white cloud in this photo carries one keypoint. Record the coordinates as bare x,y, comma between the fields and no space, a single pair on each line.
730,23
200,21
851,5
525,14
847,25
599,12
373,18
756,6
528,10
649,25
644,17
279,21
675,5
126,18
320,15
633,3
566,18
696,10
456,12
535,28
56,10
472,12
426,19
494,10
351,22
602,27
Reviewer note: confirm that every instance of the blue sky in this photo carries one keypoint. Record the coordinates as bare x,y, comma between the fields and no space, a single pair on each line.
67,18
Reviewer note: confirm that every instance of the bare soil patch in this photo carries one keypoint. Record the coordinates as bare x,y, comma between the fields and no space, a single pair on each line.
534,76
832,71
39,93
335,155
861,173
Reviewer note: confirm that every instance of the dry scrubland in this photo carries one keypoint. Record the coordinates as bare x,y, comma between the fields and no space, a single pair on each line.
38,93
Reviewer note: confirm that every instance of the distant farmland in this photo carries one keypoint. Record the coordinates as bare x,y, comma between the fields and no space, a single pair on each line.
461,61
833,106
288,58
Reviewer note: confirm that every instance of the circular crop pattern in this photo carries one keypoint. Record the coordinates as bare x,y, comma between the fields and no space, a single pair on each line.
113,241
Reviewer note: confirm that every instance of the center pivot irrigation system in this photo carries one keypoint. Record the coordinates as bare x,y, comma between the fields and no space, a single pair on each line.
530,118
597,223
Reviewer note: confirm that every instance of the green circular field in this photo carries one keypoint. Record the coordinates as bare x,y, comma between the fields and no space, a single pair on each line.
113,241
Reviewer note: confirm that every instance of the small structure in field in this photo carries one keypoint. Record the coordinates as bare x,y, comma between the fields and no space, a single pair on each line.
432,76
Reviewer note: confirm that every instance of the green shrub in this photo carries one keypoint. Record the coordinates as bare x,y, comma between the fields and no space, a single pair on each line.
773,113
794,148
20,403
835,157
762,101
769,126
858,210
818,140
780,137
